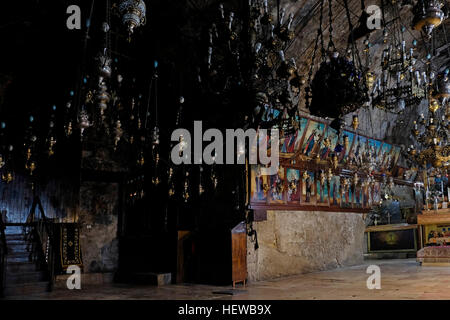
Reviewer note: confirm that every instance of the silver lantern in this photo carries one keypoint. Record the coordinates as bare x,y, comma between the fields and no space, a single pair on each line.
132,13
428,15
84,121
103,98
442,86
104,66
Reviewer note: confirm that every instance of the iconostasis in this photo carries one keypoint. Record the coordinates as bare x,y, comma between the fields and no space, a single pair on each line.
322,169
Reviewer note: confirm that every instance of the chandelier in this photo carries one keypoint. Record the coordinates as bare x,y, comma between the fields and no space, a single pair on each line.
431,132
401,84
248,52
339,85
428,15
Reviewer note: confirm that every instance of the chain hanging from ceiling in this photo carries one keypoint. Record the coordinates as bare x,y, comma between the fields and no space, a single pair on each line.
248,51
338,86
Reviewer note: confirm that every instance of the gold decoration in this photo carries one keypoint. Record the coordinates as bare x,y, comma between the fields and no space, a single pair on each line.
355,122
7,177
433,105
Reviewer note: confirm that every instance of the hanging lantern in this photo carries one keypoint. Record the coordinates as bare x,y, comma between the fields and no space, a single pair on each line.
428,15
337,89
84,121
133,14
355,122
201,190
156,180
186,194
103,98
104,66
442,86
118,132
171,183
7,177
51,145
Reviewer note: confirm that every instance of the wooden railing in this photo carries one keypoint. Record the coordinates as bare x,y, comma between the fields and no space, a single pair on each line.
3,255
42,240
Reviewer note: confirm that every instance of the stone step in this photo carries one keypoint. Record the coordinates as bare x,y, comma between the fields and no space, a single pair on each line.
24,277
26,289
16,253
14,230
18,258
10,237
20,267
15,242
17,248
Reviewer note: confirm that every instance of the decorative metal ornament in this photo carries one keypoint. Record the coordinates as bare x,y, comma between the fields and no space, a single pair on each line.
431,136
171,191
104,67
335,161
186,194
215,179
84,121
68,129
201,190
51,145
322,178
30,166
442,86
155,179
428,15
355,179
346,142
118,132
337,89
7,177
133,13
141,159
103,98
305,175
355,122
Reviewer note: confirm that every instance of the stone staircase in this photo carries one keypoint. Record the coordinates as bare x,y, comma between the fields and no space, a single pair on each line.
22,275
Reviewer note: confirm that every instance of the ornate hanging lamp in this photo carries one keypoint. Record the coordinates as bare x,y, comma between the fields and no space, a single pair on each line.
133,14
442,87
428,15
432,135
338,87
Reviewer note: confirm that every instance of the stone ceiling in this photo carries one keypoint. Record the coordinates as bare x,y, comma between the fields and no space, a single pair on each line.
377,123
373,122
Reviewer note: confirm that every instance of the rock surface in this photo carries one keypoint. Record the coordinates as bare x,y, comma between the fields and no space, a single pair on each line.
98,220
294,242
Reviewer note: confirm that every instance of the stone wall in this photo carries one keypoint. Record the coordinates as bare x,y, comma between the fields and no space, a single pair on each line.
98,216
294,242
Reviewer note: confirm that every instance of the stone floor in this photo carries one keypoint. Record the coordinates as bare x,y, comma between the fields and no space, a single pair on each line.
400,279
